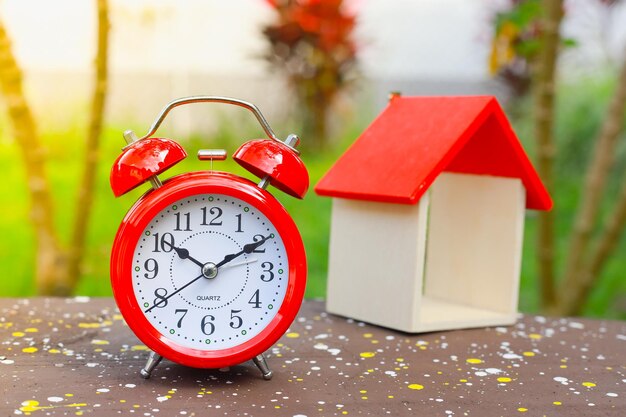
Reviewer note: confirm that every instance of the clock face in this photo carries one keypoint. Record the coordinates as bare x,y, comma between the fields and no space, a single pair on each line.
210,271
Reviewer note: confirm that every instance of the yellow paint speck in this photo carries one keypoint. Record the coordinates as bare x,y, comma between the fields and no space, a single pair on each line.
473,360
529,354
31,330
32,405
135,348
390,397
416,386
522,409
535,336
589,384
30,349
293,335
18,334
89,325
367,335
344,412
504,379
563,366
99,342
557,402
400,360
69,395
54,350
368,354
363,391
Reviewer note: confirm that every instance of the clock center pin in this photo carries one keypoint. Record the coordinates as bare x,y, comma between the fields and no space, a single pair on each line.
209,270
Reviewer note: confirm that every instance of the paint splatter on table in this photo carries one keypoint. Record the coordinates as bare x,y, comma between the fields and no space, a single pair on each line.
77,357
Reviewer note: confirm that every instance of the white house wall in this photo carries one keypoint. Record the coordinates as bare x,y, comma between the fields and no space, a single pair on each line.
376,261
475,236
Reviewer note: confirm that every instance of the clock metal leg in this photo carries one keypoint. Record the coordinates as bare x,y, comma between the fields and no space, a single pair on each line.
151,363
261,363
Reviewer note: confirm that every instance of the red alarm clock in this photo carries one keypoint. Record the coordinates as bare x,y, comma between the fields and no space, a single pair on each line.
208,268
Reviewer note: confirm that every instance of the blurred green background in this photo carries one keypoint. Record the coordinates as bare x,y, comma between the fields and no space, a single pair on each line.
580,109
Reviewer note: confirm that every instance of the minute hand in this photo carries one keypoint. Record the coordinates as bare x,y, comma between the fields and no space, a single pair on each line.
249,248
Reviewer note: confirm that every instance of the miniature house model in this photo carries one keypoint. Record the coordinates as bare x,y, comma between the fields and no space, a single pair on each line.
428,216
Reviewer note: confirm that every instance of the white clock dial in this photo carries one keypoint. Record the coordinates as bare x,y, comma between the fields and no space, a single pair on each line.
210,272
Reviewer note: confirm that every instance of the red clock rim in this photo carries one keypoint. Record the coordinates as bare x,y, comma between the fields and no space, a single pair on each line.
148,206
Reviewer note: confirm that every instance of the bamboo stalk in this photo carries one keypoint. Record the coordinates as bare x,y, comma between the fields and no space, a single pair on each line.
49,259
546,150
578,277
610,237
85,196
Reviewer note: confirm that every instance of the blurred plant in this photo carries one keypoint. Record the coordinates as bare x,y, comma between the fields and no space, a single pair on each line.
57,267
581,270
311,43
516,43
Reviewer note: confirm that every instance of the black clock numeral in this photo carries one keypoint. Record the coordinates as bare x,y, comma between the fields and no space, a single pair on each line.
187,222
180,321
165,243
254,300
238,223
267,267
236,321
161,299
256,238
207,322
215,211
151,266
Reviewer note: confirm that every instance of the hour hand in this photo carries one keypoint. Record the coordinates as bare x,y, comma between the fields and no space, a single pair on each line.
248,248
184,254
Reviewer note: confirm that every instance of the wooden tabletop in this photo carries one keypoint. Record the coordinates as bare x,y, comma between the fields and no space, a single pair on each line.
77,357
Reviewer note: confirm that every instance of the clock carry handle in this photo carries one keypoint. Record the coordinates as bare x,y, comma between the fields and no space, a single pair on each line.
276,162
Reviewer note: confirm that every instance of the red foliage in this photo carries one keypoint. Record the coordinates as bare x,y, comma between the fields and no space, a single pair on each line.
312,42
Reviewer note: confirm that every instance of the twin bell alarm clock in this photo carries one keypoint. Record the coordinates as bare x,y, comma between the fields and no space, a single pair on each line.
207,268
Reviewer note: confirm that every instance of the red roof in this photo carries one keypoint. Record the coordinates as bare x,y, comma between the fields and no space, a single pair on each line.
414,139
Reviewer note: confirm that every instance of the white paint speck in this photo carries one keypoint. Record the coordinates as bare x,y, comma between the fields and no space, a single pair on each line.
576,325
299,415
91,364
481,373
561,379
7,362
334,351
511,356
161,399
493,371
611,394
621,336
320,346
102,390
130,385
82,299
55,399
